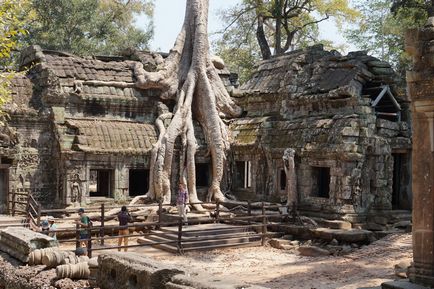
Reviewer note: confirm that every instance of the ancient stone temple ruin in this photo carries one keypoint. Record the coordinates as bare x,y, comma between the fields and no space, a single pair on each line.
347,121
79,128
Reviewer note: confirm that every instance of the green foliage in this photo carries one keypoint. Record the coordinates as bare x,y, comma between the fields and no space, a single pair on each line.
382,33
286,25
89,26
12,22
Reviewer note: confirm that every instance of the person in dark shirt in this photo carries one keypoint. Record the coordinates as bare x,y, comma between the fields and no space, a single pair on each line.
124,218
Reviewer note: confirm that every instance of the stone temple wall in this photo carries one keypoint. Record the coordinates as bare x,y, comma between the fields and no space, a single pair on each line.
347,120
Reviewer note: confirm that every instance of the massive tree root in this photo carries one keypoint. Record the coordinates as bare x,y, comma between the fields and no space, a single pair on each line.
189,77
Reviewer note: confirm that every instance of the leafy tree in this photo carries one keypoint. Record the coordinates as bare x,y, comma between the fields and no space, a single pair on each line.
89,26
381,32
282,25
426,6
256,29
11,28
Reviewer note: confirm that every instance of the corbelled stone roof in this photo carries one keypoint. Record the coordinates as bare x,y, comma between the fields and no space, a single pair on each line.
314,71
21,96
111,136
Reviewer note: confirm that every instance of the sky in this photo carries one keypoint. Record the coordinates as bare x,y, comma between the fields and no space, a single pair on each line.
169,14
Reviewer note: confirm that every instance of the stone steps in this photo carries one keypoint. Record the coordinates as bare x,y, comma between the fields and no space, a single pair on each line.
9,221
203,237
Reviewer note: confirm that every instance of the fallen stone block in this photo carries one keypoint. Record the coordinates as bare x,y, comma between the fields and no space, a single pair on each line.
54,258
401,269
129,270
124,271
312,251
73,271
35,257
182,281
281,244
348,236
19,242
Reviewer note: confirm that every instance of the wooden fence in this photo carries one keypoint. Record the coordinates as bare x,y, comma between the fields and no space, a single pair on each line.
97,233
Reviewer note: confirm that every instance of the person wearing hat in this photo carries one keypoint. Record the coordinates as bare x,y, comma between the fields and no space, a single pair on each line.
83,222
52,228
45,226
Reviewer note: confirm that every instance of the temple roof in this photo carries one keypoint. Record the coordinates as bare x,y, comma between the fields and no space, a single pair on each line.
111,136
315,71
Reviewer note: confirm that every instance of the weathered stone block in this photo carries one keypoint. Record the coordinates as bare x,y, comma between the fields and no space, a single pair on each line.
20,242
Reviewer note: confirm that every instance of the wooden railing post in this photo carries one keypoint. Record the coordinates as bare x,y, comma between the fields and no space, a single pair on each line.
160,213
89,242
249,210
13,203
28,213
264,225
180,235
77,236
217,212
39,216
102,231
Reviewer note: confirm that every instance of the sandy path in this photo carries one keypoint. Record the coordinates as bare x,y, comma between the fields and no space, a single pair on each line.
279,269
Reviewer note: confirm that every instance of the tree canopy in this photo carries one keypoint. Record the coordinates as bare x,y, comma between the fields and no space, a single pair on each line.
11,28
89,26
282,25
258,29
381,28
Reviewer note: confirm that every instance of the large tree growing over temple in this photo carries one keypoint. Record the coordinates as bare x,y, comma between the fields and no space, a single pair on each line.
189,77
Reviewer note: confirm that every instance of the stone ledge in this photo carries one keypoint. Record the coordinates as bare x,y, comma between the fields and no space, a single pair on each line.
401,285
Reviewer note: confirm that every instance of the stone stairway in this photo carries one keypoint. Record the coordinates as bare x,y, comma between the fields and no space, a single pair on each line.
203,237
9,221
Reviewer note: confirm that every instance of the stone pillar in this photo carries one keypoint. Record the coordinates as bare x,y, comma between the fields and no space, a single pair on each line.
420,45
291,178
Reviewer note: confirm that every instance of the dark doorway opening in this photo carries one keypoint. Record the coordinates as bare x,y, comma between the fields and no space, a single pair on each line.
138,182
282,180
4,190
100,183
321,182
243,174
400,198
202,175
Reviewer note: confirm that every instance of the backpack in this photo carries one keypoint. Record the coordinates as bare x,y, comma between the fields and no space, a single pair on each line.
89,223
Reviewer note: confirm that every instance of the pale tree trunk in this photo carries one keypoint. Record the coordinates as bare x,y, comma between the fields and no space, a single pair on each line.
189,77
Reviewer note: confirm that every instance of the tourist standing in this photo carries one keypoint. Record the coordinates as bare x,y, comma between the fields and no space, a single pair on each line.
181,202
52,228
124,218
84,223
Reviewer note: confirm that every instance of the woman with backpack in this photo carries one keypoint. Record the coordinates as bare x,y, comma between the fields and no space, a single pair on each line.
124,218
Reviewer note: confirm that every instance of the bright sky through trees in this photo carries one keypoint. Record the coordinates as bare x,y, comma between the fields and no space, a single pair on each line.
169,14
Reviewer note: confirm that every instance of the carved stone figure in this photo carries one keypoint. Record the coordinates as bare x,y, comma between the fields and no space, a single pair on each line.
76,195
291,179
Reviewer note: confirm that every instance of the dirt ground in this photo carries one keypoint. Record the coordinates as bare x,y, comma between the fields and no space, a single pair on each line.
366,267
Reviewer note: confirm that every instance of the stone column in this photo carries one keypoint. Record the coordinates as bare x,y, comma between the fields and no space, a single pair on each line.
291,179
420,45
